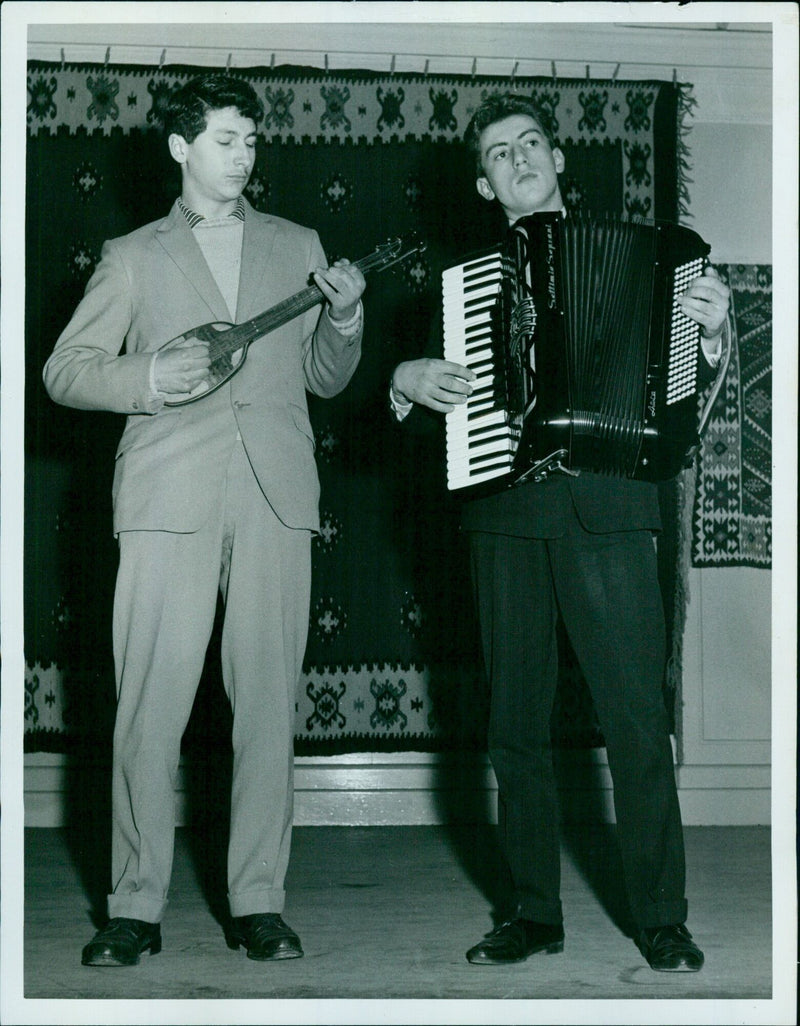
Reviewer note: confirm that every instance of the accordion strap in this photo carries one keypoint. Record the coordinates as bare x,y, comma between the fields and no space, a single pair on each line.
722,370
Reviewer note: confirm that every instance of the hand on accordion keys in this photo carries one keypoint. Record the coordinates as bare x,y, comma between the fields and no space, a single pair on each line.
706,301
438,384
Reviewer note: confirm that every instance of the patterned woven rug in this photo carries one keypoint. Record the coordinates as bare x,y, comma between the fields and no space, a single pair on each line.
392,660
731,523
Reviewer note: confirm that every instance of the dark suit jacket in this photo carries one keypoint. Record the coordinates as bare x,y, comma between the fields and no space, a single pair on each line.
603,504
153,285
540,509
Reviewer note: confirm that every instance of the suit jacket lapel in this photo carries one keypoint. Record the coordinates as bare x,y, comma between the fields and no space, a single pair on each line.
259,240
176,237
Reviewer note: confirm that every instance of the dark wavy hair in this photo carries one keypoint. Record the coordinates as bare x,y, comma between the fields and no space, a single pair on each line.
497,107
188,107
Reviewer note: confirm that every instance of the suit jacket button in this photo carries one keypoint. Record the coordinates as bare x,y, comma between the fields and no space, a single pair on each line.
135,405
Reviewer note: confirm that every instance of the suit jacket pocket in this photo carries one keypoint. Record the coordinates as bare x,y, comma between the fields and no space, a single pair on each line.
143,431
303,423
166,478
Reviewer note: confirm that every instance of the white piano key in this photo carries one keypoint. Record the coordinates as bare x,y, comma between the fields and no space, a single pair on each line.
476,429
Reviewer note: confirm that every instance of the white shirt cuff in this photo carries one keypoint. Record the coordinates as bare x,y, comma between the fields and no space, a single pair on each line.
154,392
400,408
712,356
351,326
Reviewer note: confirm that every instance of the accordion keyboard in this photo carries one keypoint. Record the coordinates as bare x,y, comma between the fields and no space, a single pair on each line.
684,338
480,439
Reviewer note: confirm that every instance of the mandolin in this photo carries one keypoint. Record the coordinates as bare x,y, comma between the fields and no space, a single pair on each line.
228,343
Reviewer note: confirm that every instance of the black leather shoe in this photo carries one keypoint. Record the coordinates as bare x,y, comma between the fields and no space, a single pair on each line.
121,941
670,949
515,940
266,937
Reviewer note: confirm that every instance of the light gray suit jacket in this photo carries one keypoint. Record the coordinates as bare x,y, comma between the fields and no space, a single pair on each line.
153,285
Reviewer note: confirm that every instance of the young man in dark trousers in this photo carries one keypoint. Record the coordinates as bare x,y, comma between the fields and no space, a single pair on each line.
582,547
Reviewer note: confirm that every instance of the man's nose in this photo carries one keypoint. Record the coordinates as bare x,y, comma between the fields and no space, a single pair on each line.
519,156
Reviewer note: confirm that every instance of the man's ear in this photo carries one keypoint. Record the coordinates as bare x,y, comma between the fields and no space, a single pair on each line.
558,159
484,189
177,147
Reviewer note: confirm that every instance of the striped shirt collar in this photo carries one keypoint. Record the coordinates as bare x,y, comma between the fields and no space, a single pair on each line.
193,218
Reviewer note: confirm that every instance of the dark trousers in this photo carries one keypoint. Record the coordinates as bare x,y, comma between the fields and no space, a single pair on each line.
606,588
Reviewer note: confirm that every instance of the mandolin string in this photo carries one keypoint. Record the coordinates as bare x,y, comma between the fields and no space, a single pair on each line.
229,341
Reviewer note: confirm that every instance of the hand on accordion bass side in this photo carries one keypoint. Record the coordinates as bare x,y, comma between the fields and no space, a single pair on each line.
440,385
706,301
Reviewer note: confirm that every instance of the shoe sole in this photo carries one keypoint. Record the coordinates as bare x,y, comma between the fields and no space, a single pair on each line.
676,968
277,957
107,962
234,943
545,949
681,968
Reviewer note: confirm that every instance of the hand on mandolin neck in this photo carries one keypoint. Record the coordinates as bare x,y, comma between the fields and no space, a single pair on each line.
199,361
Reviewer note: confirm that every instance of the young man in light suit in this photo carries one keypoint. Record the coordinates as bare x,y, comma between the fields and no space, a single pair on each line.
216,496
580,547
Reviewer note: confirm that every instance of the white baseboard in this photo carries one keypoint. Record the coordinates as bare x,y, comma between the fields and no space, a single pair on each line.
413,788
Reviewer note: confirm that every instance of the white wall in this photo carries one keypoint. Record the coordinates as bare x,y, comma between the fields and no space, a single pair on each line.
731,190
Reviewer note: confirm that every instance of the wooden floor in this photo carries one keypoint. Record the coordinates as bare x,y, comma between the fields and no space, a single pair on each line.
389,912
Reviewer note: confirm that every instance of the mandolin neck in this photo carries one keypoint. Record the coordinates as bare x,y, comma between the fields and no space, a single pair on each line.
283,312
279,314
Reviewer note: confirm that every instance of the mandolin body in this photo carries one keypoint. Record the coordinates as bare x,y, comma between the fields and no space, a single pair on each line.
224,361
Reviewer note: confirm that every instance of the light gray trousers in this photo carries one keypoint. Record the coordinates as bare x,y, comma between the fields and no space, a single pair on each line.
164,611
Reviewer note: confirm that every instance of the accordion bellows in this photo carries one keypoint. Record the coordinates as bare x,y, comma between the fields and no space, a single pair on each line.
584,359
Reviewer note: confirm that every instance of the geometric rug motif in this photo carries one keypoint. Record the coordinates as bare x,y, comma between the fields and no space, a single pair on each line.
392,662
385,707
732,514
372,707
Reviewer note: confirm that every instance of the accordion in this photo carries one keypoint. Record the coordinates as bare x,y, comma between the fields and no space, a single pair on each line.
584,359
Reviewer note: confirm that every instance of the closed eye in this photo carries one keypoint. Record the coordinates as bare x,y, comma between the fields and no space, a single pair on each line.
250,142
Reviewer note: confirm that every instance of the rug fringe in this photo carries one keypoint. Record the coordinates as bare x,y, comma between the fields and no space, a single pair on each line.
686,104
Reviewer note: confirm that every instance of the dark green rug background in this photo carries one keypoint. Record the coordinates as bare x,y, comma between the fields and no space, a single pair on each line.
392,661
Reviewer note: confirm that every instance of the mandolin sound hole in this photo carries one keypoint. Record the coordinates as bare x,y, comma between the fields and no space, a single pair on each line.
223,366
